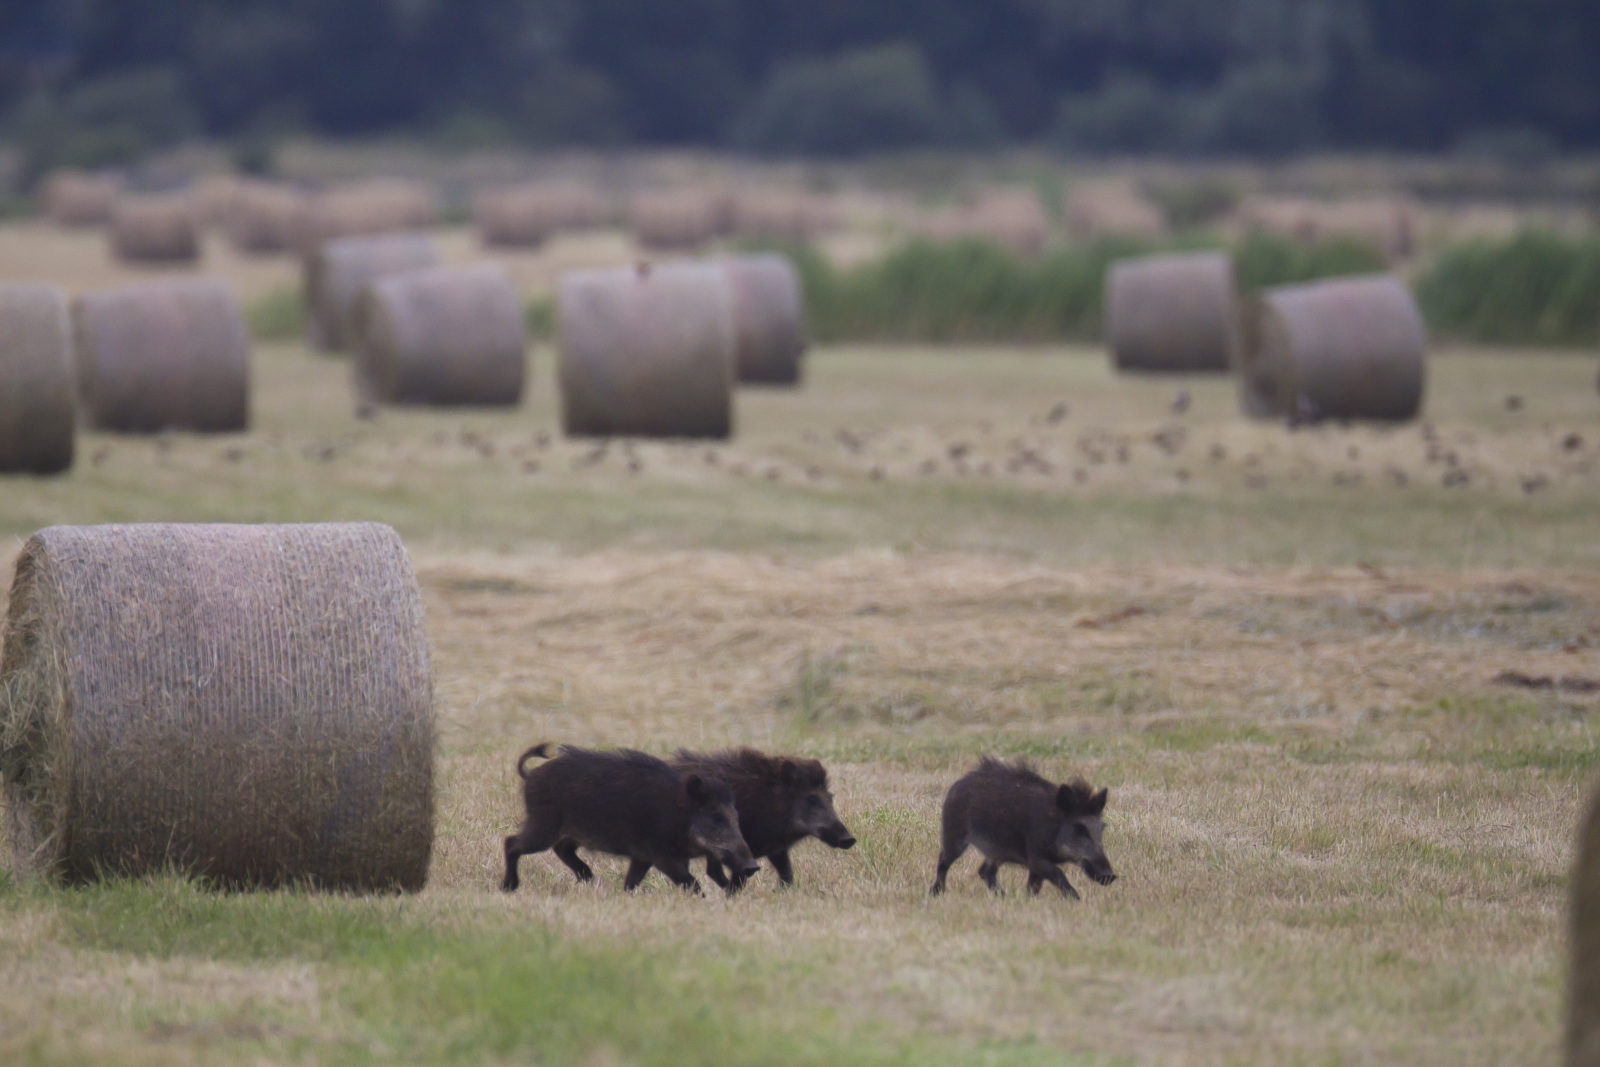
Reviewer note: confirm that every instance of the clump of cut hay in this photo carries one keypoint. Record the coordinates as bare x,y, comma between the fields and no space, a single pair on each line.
768,318
443,335
1583,945
647,351
248,704
338,270
380,206
1172,312
264,219
674,219
76,198
1112,210
37,395
1346,348
154,229
166,354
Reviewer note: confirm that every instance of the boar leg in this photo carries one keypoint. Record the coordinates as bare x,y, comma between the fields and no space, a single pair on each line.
636,872
537,835
990,872
678,871
953,848
566,851
780,863
1038,875
715,873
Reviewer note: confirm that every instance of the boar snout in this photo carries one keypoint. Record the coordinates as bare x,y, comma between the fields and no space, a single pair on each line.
837,837
1102,873
750,870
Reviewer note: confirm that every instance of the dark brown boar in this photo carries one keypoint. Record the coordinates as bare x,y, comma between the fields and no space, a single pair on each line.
781,801
1012,815
629,804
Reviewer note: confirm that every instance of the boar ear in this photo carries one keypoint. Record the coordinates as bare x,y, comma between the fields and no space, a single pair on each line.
1097,803
1067,798
695,787
788,773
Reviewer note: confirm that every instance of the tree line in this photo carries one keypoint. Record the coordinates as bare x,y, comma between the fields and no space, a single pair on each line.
91,81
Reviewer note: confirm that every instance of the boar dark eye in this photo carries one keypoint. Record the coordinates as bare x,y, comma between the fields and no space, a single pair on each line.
813,802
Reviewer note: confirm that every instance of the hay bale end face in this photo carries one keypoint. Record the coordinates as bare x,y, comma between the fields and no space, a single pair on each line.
1583,944
337,271
1346,348
443,335
768,318
163,355
38,400
154,229
647,352
247,704
1172,313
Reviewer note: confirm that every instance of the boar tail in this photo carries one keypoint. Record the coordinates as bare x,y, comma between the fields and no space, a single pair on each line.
539,751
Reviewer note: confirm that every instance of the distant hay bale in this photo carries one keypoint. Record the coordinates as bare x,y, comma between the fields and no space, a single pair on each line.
338,270
780,215
246,704
1346,348
38,398
1013,219
1583,944
1112,210
1173,313
154,229
647,351
380,206
163,355
213,198
676,219
1387,225
266,219
1296,218
526,216
768,318
443,335
75,198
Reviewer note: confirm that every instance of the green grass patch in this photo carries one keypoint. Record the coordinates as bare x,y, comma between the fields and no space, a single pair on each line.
1535,288
279,315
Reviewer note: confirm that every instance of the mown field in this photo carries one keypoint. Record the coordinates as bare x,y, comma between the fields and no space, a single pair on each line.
1340,838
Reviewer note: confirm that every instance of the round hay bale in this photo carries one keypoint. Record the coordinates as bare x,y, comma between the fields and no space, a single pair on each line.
520,217
1296,218
677,219
1174,313
163,355
337,271
1112,210
154,229
247,704
647,351
780,215
38,400
444,335
266,219
768,318
76,198
1346,348
381,206
1583,944
1013,219
214,197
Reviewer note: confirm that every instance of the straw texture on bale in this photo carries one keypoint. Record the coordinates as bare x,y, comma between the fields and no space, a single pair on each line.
337,271
247,704
1172,313
154,229
674,219
38,400
1583,944
73,198
264,219
768,318
158,355
1346,348
647,352
445,335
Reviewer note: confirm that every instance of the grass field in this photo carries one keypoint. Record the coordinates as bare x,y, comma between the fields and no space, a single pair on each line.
1340,840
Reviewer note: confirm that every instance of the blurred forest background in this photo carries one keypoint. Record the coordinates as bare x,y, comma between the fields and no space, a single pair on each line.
97,82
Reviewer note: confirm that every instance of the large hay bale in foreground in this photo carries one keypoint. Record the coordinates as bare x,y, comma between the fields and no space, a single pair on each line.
163,355
248,704
675,219
337,271
768,318
38,400
1346,348
154,229
647,351
265,219
75,198
1583,944
1174,313
444,335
